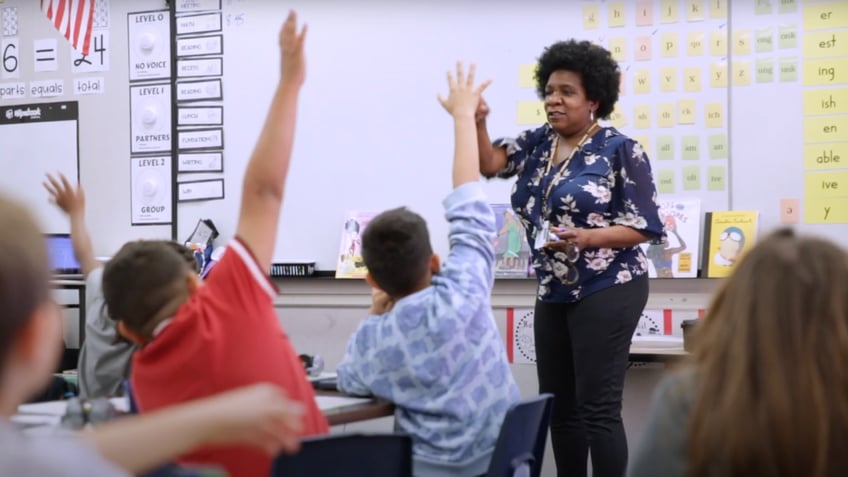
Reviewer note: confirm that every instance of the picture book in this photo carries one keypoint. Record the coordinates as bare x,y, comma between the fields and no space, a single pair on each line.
727,235
350,263
679,255
512,252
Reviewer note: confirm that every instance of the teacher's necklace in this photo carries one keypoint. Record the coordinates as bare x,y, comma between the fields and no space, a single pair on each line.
564,165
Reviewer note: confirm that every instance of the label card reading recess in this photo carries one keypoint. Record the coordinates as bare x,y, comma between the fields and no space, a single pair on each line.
200,190
201,162
201,139
199,90
201,116
201,67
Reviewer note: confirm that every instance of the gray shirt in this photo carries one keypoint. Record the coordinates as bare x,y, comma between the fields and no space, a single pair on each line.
43,456
663,449
103,363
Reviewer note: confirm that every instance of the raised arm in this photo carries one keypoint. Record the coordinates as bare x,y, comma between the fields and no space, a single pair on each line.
259,416
461,103
72,201
265,177
492,159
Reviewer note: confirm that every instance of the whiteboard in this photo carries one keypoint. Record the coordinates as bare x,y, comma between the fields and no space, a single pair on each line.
780,151
370,133
36,139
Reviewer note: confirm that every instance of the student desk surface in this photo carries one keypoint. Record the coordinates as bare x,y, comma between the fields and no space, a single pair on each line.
343,409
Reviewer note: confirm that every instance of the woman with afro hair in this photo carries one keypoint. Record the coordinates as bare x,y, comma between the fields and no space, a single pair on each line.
585,195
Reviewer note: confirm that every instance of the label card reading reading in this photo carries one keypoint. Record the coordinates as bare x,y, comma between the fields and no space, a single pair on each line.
199,90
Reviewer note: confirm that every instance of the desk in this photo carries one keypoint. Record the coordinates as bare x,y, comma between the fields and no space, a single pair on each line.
338,412
657,355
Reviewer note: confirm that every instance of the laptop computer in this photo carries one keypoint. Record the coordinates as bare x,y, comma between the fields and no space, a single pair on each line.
62,258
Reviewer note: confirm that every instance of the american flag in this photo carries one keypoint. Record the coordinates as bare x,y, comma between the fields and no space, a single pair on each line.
73,19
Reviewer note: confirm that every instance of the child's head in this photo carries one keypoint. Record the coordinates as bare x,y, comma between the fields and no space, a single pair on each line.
145,283
397,252
773,352
30,323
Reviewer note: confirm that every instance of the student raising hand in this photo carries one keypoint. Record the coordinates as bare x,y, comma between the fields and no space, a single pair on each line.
462,103
71,199
291,50
463,97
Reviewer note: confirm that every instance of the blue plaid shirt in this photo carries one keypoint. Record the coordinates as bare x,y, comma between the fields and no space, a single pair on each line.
438,354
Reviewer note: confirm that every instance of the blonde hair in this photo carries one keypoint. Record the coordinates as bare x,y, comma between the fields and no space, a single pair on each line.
770,362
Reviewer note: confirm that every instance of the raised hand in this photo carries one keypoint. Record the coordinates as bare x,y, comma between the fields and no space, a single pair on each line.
67,197
463,97
291,51
482,111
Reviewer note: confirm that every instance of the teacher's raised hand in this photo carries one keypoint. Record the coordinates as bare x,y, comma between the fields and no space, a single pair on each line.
463,97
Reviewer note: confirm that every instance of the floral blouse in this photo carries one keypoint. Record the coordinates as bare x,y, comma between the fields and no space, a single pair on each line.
607,182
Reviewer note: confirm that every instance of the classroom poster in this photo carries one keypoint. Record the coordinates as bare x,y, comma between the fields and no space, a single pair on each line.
729,234
150,118
151,192
350,263
512,252
678,256
149,35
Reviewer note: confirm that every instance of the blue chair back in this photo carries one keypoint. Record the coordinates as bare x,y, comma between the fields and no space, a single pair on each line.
520,448
348,455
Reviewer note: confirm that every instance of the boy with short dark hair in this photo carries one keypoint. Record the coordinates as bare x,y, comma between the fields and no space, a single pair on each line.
104,359
430,344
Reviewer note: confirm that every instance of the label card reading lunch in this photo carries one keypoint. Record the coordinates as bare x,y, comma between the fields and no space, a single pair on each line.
200,116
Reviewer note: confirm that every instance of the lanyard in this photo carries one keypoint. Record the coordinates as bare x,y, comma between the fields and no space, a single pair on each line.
564,165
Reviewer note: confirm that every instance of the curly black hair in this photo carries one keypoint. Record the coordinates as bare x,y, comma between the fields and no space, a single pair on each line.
597,70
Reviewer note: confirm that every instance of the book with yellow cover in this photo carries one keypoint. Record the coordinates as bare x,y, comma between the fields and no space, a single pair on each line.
729,234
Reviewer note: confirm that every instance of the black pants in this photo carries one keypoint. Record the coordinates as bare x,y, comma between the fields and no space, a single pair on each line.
582,352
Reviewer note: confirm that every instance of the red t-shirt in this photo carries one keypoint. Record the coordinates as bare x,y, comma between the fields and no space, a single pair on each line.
225,336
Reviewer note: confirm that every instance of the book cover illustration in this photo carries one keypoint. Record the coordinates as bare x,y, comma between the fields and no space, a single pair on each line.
728,235
512,252
350,263
679,255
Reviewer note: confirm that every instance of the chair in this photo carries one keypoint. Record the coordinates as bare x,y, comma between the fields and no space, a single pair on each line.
348,455
521,443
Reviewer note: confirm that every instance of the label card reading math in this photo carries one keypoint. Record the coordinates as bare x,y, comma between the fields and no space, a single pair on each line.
199,23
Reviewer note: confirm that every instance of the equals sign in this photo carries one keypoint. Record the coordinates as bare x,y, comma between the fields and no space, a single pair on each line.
48,54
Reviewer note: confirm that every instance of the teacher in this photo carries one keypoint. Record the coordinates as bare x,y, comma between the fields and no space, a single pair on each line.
586,197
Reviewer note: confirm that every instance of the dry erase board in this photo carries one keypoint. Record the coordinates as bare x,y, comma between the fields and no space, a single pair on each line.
371,135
